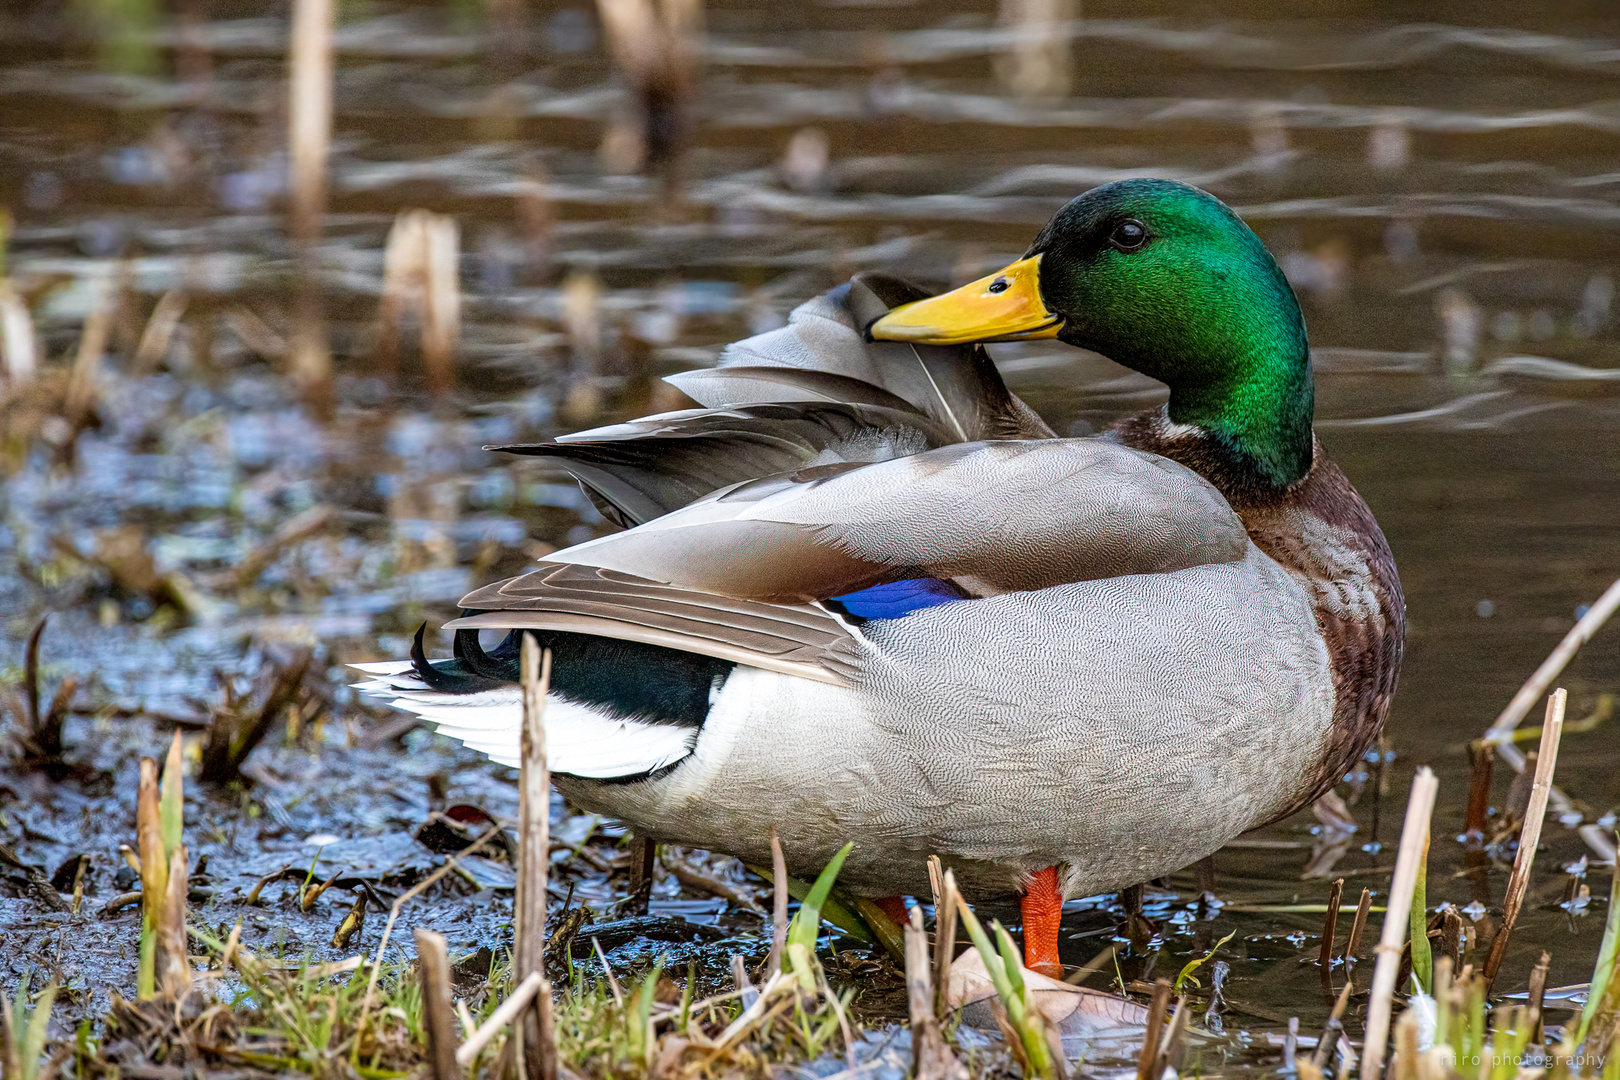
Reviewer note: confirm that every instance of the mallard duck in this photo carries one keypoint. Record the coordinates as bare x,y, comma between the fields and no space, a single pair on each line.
865,593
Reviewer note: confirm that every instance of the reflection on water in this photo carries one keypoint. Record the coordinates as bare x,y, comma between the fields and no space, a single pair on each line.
1442,194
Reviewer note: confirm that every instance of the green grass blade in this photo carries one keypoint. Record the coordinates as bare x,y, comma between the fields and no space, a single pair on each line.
806,925
1603,972
1422,955
171,799
992,963
146,969
34,1044
833,910
1010,960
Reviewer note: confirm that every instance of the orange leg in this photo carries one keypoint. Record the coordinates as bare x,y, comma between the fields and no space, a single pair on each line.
895,908
1042,905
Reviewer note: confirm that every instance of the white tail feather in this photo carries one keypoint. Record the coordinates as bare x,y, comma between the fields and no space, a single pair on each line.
580,740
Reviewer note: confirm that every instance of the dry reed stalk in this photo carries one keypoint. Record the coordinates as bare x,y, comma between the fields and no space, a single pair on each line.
1357,925
504,1014
1035,63
154,871
421,277
311,354
933,1058
1174,1034
534,848
309,113
159,332
642,855
779,905
1414,832
1530,832
309,134
1330,924
1536,995
438,1015
84,380
255,334
1479,792
1335,1025
1079,975
1539,682
581,303
295,530
657,47
695,879
946,904
158,811
1155,1028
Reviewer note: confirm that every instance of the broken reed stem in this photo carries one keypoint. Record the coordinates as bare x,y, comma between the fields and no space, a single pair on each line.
1529,832
779,905
932,1057
534,853
309,113
1536,994
504,1014
945,905
159,806
1330,924
1155,1028
438,1016
1175,1033
1335,1024
1419,808
1357,925
1479,792
1538,683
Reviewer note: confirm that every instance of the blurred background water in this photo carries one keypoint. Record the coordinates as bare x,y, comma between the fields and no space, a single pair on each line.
1438,181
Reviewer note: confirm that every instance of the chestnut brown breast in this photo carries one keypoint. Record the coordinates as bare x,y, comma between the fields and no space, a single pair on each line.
1322,532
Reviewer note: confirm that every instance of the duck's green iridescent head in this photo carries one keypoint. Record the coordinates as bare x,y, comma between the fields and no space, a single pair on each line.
1166,279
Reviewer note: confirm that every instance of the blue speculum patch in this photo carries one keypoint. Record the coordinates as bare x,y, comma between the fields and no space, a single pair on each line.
898,598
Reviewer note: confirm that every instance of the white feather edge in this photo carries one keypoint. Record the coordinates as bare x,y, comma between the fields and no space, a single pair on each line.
580,741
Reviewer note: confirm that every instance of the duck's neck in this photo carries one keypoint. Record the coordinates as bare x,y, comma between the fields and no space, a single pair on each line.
1258,408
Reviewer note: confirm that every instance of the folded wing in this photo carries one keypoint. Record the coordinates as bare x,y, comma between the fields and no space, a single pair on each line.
988,517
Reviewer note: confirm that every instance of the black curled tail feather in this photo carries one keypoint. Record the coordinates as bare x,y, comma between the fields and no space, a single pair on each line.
448,676
501,664
628,679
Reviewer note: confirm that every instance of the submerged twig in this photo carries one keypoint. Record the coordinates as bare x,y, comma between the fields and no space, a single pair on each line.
1530,832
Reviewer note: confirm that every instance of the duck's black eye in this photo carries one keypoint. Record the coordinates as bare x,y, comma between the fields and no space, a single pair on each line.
999,285
1129,235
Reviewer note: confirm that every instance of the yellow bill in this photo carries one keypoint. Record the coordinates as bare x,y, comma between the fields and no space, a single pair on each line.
1006,306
